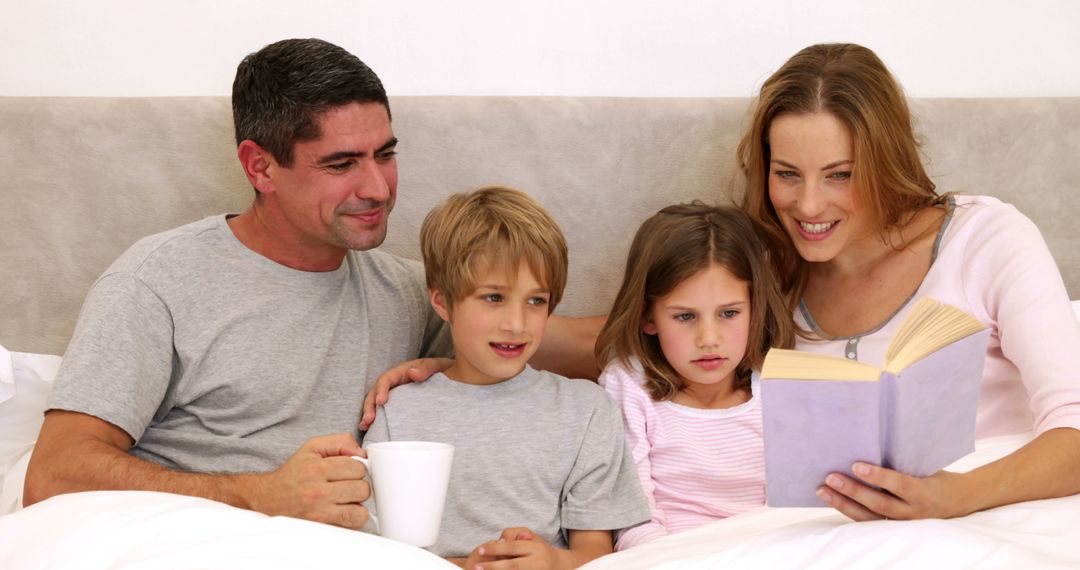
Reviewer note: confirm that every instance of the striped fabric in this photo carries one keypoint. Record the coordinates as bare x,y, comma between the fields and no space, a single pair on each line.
695,465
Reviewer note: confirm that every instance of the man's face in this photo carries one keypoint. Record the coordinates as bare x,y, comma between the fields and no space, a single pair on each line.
341,186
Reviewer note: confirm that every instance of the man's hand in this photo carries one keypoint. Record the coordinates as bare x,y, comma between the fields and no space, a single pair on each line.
320,482
907,497
410,371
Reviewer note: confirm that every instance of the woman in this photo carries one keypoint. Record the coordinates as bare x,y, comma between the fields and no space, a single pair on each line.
857,232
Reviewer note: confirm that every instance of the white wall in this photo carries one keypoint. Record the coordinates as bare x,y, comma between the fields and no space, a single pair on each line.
553,47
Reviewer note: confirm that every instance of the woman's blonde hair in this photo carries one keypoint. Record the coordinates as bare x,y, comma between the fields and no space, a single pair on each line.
499,227
851,83
670,247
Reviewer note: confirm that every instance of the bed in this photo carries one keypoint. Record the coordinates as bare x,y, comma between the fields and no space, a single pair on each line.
137,529
85,177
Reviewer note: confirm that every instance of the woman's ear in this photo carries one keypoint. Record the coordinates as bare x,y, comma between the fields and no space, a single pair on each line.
438,302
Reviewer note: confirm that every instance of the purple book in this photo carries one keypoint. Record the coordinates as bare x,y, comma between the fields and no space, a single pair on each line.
917,421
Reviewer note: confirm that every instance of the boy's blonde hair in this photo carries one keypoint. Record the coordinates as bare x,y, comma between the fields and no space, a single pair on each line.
491,227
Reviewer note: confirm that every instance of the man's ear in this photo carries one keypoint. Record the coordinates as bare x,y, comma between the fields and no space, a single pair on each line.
648,326
438,302
256,162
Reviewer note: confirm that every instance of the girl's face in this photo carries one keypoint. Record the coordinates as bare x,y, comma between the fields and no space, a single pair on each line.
703,325
811,187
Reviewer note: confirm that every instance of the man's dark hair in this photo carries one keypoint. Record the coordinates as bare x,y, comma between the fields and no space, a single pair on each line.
280,91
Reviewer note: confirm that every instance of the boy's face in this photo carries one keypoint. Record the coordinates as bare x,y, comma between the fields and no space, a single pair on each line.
497,327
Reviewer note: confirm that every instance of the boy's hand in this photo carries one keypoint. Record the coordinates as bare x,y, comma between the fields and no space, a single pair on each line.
517,548
409,371
473,561
518,533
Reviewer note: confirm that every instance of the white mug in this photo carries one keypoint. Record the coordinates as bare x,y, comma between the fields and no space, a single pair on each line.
409,480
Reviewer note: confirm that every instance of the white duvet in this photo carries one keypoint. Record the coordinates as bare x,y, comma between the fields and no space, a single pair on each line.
137,529
129,529
1036,534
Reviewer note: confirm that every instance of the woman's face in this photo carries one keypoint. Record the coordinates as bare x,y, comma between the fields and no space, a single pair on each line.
811,185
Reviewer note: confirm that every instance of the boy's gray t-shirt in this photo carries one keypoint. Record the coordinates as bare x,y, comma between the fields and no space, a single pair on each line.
214,358
538,450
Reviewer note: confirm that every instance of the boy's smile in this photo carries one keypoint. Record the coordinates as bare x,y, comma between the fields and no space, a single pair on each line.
498,327
508,350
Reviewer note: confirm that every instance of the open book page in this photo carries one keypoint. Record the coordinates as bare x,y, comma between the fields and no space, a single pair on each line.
930,326
783,363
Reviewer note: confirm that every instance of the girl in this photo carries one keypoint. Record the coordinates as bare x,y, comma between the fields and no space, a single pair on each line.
697,310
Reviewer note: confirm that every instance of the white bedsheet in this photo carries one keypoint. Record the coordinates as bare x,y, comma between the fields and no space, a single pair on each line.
25,382
135,530
1036,534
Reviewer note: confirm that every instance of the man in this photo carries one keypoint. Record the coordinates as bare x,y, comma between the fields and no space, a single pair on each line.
206,356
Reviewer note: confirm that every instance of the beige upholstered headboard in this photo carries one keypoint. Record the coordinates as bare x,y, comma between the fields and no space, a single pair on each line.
83,178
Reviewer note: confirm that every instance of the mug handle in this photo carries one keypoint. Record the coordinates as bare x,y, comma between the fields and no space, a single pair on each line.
367,463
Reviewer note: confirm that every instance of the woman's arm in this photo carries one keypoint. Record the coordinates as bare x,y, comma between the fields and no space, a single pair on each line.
1045,468
568,345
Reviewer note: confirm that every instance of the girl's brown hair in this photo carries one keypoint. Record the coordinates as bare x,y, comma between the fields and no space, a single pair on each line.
850,82
671,246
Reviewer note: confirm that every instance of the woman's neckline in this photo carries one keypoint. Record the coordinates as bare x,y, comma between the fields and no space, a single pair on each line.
950,206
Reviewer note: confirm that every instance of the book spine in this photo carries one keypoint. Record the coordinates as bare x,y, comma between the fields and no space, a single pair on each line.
887,429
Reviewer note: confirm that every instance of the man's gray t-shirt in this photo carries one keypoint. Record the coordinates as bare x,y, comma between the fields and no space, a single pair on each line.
538,451
214,358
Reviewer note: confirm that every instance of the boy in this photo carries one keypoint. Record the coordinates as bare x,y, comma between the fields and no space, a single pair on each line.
537,456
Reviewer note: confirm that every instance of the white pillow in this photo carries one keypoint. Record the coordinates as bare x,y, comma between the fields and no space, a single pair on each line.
25,381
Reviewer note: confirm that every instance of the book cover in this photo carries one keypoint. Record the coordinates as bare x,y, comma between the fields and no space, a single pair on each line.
916,421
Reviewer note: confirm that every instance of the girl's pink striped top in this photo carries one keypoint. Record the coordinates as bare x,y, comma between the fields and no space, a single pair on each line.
695,465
